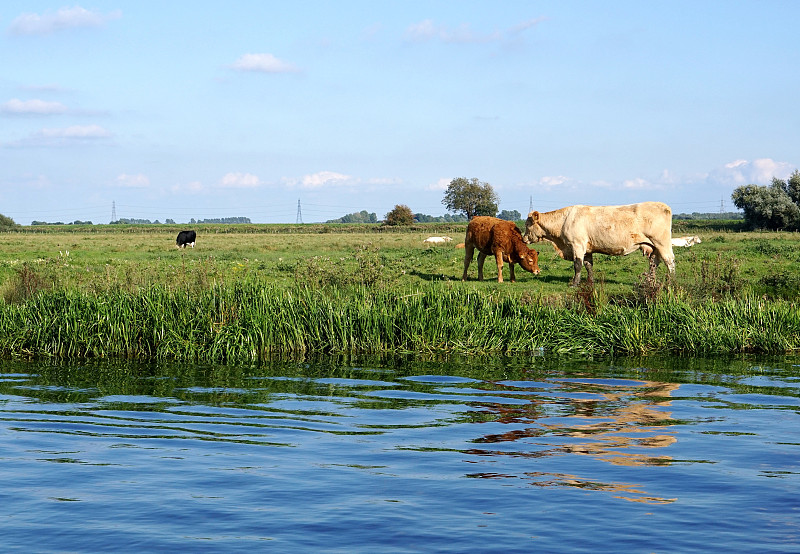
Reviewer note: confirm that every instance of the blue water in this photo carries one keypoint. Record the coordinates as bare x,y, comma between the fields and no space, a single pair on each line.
514,455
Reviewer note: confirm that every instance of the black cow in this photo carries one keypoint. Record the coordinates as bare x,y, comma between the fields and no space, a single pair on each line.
184,238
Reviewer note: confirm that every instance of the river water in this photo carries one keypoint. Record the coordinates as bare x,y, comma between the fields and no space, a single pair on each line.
402,455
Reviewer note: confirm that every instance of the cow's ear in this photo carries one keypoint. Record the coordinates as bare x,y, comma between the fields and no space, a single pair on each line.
535,216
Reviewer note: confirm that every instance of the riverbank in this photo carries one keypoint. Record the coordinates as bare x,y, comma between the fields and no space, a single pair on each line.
247,322
251,294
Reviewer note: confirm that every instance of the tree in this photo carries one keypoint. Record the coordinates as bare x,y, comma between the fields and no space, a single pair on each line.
471,197
512,215
356,217
792,186
6,222
776,206
400,215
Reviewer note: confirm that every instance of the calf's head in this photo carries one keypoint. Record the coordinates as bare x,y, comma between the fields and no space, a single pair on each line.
529,260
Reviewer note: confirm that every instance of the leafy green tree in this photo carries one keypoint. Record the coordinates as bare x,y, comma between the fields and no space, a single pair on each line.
6,222
791,187
512,215
771,207
400,215
471,197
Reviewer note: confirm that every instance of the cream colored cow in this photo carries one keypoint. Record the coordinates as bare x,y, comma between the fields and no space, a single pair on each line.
577,232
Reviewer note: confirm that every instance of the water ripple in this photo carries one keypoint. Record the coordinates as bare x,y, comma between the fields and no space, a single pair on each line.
329,458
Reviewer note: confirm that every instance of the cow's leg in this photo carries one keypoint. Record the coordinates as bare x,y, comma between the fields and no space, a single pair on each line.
469,250
665,254
511,270
588,261
498,255
577,263
481,259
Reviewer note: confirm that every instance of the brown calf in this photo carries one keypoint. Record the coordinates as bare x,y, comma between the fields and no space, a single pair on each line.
502,239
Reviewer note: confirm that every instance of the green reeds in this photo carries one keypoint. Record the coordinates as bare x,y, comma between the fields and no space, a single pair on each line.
248,322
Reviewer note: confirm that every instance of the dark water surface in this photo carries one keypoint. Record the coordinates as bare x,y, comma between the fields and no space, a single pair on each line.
514,455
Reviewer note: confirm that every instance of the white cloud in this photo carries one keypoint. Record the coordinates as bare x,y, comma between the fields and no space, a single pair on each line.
32,107
192,187
64,18
737,163
132,181
65,136
757,172
319,180
553,181
637,184
264,63
240,180
441,184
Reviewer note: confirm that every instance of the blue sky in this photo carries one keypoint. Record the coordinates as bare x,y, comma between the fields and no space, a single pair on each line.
216,109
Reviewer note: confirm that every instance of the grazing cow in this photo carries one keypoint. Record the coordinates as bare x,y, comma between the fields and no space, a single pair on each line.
686,241
436,240
577,232
501,238
184,238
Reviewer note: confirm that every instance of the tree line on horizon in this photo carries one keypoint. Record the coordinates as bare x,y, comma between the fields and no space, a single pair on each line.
135,221
775,206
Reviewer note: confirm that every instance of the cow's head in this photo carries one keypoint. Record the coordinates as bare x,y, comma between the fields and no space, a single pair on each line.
533,231
530,261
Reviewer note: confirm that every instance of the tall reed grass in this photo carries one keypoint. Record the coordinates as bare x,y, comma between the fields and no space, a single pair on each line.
248,322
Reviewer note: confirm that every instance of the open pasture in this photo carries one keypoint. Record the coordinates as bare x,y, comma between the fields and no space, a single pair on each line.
132,257
247,295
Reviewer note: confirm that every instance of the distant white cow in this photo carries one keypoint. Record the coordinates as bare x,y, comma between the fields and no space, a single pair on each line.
686,241
436,240
677,241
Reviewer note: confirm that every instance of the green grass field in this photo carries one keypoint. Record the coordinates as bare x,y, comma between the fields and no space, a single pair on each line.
246,293
129,258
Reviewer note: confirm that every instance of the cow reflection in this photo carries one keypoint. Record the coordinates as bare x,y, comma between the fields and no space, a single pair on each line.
614,425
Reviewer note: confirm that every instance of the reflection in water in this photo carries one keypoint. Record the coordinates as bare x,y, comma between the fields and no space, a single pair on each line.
614,425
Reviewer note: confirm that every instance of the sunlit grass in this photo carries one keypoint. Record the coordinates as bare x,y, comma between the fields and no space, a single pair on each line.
250,295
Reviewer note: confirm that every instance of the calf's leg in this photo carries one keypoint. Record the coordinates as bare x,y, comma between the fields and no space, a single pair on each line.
481,259
498,256
469,250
